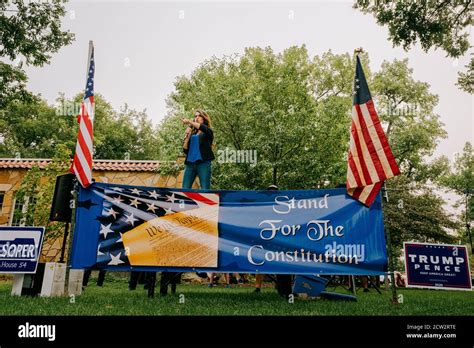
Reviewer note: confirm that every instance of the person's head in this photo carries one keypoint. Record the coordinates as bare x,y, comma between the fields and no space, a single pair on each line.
272,187
200,116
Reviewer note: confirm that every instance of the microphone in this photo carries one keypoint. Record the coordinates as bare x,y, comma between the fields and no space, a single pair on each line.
186,132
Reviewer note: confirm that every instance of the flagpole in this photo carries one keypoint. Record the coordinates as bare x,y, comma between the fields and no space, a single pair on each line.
76,189
91,46
75,193
76,183
73,205
391,264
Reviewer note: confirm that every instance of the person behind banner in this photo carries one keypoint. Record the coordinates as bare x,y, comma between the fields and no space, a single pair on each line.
399,280
258,282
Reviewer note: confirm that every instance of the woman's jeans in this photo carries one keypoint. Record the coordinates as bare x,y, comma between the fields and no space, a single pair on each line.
200,169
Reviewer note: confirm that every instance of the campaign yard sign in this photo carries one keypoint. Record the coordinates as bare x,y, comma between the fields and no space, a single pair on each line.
438,266
20,248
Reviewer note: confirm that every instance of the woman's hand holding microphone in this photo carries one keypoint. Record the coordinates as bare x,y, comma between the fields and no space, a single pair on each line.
189,129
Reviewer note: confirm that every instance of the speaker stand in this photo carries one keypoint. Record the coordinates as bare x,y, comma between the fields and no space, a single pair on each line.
63,248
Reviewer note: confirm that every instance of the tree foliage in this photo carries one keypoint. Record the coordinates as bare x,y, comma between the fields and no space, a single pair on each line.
407,108
30,32
466,79
13,86
415,213
438,24
295,111
285,106
460,179
122,134
35,129
37,189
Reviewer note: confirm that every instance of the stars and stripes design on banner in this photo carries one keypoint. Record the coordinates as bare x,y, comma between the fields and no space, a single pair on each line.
125,208
370,159
82,162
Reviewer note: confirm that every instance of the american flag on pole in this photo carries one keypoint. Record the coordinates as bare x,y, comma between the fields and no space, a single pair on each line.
82,163
370,159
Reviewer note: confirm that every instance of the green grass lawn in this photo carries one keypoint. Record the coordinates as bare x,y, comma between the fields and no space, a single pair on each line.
114,298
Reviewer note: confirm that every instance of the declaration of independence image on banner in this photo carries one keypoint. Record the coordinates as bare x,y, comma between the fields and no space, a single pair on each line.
188,238
157,227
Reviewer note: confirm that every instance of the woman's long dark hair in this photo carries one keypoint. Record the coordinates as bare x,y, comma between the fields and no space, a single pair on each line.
207,122
205,117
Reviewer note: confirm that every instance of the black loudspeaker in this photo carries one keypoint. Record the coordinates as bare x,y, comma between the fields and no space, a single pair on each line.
61,208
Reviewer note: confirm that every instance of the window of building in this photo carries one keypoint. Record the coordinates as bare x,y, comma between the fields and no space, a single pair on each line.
2,197
21,207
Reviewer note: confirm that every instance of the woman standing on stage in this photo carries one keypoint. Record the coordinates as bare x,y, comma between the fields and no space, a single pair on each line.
197,146
198,149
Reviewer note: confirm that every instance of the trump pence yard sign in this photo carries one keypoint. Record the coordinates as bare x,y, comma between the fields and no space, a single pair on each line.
439,266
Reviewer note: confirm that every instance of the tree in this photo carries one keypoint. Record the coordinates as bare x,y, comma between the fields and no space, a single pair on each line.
35,129
462,177
466,79
127,133
31,31
280,105
442,24
461,181
407,107
36,192
415,212
13,86
295,111
438,24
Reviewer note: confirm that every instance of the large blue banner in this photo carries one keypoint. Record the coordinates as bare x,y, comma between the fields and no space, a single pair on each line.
439,266
121,227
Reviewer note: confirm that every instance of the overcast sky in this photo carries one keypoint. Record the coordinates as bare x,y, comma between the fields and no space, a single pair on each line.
142,46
